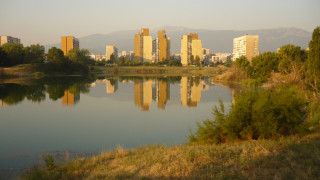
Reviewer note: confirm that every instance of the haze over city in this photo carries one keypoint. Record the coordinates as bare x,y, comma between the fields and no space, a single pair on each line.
45,21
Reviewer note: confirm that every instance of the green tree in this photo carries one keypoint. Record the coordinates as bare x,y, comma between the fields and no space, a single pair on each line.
291,59
3,58
15,53
55,55
34,54
112,59
80,56
121,61
313,62
197,61
243,64
192,60
264,64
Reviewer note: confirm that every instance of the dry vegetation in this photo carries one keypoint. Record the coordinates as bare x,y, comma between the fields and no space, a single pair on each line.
284,158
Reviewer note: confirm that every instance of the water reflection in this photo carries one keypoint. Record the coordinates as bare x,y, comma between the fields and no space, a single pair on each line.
70,98
146,90
89,114
13,91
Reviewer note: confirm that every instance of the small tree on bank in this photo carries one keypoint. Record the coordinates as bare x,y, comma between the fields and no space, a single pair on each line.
313,62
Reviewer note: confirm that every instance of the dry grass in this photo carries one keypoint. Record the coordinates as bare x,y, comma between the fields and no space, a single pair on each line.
285,158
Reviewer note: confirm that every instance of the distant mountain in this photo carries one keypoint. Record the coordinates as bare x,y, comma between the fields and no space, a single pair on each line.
215,40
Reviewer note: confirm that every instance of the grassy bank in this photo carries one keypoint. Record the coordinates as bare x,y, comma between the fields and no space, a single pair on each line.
42,69
163,71
292,157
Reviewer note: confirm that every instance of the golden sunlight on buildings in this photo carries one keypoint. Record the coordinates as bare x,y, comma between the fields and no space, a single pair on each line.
247,45
111,49
161,46
190,46
143,46
68,43
70,99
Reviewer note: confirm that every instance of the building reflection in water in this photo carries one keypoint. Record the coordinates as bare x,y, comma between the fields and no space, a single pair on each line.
2,103
162,93
112,86
70,98
190,91
143,94
146,91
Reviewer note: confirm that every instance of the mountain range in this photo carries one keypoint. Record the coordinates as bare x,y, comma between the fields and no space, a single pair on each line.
218,41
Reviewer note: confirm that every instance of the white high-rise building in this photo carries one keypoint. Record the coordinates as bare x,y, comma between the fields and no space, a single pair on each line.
247,45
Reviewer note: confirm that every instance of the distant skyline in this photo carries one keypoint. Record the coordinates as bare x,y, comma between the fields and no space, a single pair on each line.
44,21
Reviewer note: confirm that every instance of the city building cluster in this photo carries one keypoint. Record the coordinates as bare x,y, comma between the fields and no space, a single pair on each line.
147,49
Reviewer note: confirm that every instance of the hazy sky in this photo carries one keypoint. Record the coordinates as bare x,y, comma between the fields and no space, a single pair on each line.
44,21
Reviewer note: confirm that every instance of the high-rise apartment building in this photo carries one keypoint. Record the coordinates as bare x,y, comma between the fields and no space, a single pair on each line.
143,46
247,45
9,40
190,46
161,46
68,43
111,49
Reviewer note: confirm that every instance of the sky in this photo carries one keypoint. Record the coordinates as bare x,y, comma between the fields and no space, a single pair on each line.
45,21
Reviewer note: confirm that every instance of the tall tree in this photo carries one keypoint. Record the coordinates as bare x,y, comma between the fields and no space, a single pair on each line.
34,54
112,58
197,61
15,53
80,56
192,60
291,59
3,58
55,55
313,63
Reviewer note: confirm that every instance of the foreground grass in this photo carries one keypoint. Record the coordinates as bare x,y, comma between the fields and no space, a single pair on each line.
285,158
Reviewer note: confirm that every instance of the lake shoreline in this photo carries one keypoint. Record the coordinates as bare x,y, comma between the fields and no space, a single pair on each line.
31,70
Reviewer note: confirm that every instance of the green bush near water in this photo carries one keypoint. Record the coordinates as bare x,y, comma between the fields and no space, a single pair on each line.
256,114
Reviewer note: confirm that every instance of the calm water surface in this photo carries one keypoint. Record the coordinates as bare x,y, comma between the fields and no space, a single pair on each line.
72,116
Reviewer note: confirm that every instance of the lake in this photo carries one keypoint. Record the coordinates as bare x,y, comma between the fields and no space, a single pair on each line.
78,116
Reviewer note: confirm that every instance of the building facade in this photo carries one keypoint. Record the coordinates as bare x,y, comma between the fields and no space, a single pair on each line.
190,46
111,49
247,45
9,40
100,57
221,57
143,46
68,43
161,46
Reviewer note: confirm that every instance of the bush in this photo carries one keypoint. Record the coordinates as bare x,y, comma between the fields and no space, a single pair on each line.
256,114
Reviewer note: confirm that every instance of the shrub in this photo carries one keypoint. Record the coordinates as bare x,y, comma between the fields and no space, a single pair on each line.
256,114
